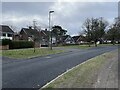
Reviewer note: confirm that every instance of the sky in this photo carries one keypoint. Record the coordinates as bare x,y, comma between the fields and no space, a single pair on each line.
69,15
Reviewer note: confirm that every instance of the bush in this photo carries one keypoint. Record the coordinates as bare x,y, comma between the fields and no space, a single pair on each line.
21,44
5,42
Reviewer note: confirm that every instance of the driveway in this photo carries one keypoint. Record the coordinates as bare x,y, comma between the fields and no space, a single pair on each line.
36,72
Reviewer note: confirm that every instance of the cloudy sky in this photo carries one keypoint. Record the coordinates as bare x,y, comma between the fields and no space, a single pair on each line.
69,15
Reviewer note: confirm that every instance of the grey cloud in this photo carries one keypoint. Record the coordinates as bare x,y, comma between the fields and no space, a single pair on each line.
69,15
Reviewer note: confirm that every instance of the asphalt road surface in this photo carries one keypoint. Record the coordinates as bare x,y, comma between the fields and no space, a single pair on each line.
36,72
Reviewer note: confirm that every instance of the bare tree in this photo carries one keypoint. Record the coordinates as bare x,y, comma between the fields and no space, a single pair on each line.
86,27
94,29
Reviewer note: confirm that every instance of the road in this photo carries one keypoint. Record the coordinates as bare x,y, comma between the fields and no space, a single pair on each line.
36,72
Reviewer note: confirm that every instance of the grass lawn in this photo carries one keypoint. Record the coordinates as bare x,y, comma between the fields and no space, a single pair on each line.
87,46
0,52
84,75
78,46
29,53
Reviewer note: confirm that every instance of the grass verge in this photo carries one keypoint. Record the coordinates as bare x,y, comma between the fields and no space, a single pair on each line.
86,46
78,46
29,53
82,76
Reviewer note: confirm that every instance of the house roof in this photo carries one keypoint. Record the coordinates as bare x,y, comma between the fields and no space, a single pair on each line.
45,32
31,32
6,29
76,38
66,36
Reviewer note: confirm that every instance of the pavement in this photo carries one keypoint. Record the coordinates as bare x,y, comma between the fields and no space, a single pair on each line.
36,72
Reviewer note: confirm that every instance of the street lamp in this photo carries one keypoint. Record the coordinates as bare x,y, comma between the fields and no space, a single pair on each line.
50,28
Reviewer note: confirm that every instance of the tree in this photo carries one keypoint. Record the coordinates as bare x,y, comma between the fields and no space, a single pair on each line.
58,32
102,27
94,29
113,33
87,30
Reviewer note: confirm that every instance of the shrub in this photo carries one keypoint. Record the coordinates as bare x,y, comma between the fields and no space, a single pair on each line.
5,42
21,44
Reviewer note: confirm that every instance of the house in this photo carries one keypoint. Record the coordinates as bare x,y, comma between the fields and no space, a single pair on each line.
46,38
79,39
67,39
41,37
44,34
6,32
30,34
16,36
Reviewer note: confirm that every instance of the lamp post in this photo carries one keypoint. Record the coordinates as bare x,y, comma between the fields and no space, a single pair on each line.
50,28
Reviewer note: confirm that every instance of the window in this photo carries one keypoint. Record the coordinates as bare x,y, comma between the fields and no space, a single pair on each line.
3,34
9,35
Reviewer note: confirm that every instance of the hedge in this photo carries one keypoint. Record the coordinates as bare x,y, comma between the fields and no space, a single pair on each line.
5,42
18,44
21,44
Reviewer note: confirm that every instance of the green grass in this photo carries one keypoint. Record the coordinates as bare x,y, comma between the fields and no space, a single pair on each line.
78,46
107,44
86,46
84,75
29,53
0,52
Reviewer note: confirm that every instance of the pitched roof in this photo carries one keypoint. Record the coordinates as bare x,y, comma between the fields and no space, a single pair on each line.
65,37
5,28
76,38
45,32
31,32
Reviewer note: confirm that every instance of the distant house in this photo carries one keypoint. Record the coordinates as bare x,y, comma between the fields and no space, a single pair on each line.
45,38
6,32
41,37
30,34
79,39
16,36
67,39
44,34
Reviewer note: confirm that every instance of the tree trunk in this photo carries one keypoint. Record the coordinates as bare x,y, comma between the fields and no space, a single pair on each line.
89,44
113,41
56,41
95,44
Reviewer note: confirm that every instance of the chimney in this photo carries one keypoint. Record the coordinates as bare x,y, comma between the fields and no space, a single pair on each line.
30,27
45,29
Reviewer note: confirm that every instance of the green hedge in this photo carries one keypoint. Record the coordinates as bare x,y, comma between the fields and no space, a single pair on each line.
21,44
17,44
5,41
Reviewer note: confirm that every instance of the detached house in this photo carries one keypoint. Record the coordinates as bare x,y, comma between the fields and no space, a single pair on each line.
44,34
79,39
41,37
67,39
6,32
30,34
